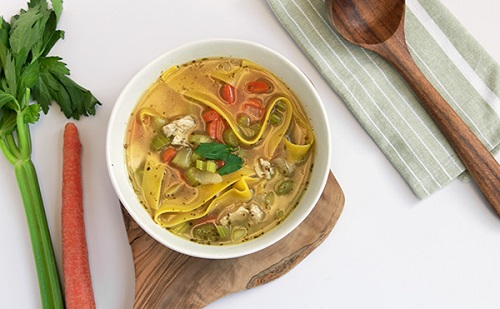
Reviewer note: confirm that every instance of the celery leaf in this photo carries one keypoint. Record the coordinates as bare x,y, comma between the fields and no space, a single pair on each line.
54,84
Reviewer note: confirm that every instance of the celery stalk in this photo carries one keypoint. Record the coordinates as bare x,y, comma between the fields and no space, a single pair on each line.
41,242
19,155
30,81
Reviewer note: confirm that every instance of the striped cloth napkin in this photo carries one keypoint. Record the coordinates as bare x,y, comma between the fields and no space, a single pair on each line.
461,70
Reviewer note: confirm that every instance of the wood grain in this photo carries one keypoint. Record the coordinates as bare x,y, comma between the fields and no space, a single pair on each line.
379,26
168,279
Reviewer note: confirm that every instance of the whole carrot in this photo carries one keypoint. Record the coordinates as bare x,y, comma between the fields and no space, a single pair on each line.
77,281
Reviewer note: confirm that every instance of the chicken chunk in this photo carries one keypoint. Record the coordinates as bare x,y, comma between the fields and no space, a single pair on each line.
253,214
239,215
256,213
178,129
264,169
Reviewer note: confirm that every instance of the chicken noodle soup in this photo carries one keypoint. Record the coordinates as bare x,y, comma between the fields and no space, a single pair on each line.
219,150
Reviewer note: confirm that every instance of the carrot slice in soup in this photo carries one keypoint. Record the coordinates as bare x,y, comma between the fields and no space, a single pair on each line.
253,107
168,154
258,86
210,115
215,129
228,93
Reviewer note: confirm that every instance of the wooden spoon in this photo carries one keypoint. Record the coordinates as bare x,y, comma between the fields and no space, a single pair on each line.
378,25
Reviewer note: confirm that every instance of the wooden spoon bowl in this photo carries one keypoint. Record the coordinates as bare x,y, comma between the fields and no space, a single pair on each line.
378,25
366,27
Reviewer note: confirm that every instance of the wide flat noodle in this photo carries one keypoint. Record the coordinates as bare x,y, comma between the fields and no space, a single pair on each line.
146,113
152,182
205,194
210,101
276,136
230,77
296,152
239,193
277,133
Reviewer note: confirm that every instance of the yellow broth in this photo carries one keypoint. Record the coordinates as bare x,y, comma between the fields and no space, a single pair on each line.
219,150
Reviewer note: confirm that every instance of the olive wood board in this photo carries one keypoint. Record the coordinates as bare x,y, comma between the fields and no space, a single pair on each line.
162,274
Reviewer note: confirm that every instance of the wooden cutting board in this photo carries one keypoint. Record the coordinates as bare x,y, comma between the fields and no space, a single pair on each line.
168,279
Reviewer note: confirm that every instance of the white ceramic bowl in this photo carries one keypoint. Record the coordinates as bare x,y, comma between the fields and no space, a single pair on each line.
282,68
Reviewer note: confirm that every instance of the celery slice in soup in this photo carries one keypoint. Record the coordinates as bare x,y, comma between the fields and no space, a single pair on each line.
211,166
183,158
238,233
152,182
196,177
197,139
223,231
159,142
284,187
206,233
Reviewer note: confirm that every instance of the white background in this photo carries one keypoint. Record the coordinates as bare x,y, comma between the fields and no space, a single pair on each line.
388,250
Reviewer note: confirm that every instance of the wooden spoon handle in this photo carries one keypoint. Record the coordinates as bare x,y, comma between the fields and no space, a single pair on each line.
483,167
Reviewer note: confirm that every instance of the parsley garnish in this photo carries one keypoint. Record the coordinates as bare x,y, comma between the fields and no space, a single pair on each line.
233,163
218,151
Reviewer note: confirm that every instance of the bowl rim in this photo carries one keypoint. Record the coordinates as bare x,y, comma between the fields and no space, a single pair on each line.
115,154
